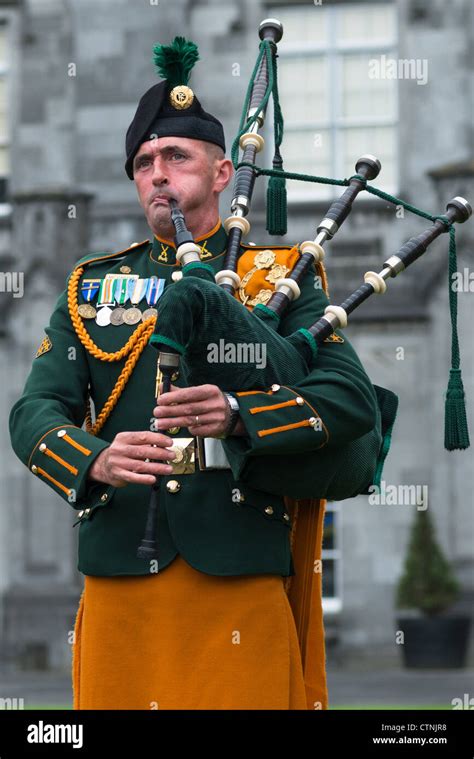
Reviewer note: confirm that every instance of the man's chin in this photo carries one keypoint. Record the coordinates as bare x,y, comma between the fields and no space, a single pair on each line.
159,220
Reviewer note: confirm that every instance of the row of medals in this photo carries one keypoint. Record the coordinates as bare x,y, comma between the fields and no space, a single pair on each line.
106,315
116,316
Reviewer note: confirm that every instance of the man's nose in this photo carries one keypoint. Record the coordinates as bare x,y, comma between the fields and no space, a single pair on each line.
159,173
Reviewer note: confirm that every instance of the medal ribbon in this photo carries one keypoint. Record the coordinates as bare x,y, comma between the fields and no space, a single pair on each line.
106,292
154,290
89,288
138,291
121,291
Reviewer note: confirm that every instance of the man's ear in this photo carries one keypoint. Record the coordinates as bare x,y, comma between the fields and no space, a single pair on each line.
226,172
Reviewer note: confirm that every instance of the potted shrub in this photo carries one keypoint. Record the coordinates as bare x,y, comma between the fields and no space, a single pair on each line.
433,638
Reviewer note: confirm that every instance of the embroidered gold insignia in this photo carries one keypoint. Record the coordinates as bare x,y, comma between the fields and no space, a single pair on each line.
204,253
264,259
278,271
45,346
164,254
333,338
263,296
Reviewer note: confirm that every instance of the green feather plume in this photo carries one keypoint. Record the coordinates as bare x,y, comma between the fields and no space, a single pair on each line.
174,62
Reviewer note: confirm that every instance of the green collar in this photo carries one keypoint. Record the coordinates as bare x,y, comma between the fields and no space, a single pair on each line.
212,244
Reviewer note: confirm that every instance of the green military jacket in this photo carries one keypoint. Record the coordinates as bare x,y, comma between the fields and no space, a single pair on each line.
230,521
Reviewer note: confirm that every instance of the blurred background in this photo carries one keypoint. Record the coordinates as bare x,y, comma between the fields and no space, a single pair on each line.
390,78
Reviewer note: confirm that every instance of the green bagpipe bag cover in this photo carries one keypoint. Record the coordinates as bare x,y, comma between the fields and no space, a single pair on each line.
194,315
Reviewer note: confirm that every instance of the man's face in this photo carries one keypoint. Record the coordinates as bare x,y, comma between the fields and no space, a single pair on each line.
190,171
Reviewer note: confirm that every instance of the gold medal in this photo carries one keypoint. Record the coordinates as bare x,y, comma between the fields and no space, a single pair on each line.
87,311
132,316
148,313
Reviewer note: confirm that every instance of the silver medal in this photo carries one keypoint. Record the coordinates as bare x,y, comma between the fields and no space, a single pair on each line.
103,316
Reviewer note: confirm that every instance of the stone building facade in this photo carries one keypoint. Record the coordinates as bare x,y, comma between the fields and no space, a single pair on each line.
76,69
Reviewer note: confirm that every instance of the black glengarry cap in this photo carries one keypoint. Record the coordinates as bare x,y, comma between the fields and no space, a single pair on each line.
170,108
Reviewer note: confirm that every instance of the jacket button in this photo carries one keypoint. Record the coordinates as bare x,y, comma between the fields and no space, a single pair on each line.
176,276
313,421
173,486
104,497
61,433
275,388
286,516
87,512
34,468
81,514
268,510
42,447
299,400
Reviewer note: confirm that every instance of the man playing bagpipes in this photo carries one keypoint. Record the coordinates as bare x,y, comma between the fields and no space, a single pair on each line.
200,504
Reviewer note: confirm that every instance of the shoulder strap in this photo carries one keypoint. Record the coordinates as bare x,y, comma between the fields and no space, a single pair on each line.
91,258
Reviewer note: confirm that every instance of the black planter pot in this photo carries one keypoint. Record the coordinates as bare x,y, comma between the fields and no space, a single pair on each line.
435,642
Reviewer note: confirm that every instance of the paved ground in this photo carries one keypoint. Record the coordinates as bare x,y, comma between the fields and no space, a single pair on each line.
349,686
37,688
398,686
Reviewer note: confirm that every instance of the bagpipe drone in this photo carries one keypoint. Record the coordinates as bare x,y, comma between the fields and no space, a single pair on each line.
201,308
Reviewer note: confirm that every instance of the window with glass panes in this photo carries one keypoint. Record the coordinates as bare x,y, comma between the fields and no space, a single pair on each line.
333,108
331,559
4,134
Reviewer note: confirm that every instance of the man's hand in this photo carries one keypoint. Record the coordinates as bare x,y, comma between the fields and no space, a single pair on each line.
181,406
124,460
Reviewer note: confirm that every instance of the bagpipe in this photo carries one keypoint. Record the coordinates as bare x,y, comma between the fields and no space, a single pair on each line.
201,308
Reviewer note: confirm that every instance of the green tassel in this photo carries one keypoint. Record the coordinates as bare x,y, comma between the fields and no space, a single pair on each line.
276,188
174,62
456,433
276,201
